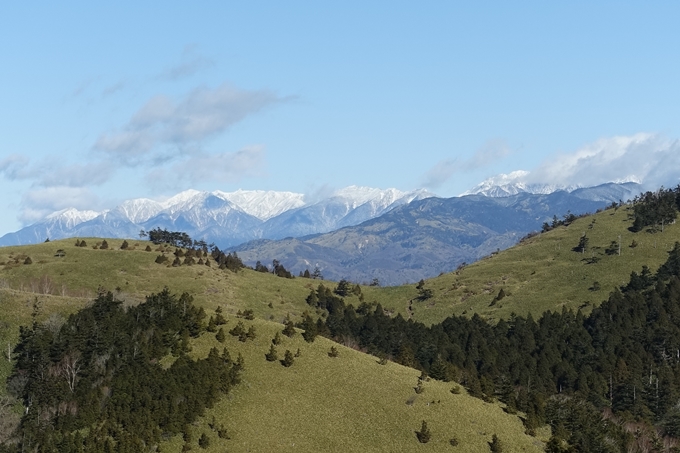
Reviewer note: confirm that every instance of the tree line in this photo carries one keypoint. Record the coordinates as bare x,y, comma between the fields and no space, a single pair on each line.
562,368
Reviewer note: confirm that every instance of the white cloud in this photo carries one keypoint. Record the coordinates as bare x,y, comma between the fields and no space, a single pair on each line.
488,154
14,167
203,113
224,168
647,158
190,63
36,204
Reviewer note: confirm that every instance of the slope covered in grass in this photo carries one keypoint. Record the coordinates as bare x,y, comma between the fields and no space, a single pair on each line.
543,272
346,403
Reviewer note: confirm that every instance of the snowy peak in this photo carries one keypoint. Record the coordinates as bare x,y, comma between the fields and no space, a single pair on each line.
263,204
68,218
506,185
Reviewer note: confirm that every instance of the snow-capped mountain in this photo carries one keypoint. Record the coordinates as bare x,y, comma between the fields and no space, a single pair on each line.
516,182
505,185
226,218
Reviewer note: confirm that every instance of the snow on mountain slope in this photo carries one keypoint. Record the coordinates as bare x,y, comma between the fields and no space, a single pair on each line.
68,218
505,185
263,204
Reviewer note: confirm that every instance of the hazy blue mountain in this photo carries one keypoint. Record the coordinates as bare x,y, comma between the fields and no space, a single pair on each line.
427,237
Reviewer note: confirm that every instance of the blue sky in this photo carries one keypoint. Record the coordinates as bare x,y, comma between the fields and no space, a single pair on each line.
103,103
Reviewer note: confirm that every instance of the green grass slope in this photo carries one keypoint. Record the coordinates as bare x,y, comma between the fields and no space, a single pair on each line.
347,403
542,273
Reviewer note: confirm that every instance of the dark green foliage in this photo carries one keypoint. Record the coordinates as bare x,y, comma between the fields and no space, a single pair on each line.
174,238
239,329
343,288
277,339
28,260
161,259
289,330
148,248
259,267
247,314
333,352
423,435
272,355
250,335
204,441
83,244
106,378
288,359
453,442
229,261
582,244
124,245
103,246
438,370
212,325
655,209
423,293
495,445
219,336
310,329
280,271
624,355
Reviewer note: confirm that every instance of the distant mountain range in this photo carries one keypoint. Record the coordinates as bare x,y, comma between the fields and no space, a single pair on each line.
357,233
426,237
225,218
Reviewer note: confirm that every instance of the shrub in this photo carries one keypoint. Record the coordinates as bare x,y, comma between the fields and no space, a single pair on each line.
424,434
333,352
204,441
104,246
288,359
272,355
28,260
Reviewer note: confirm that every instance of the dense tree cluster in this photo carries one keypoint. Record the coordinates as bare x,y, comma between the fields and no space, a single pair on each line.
625,355
655,209
175,238
95,384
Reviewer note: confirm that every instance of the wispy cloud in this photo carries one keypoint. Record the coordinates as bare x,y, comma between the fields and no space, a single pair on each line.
228,167
14,167
203,113
488,154
37,203
190,63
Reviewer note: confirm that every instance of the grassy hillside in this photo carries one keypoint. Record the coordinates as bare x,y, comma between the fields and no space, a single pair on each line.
542,273
347,403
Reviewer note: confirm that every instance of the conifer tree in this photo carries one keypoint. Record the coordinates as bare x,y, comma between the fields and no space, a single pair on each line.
424,434
272,355
289,330
288,359
495,445
277,339
219,336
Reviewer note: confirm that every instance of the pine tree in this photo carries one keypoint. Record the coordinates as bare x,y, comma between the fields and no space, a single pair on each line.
288,359
272,355
495,445
289,330
219,336
277,339
424,434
